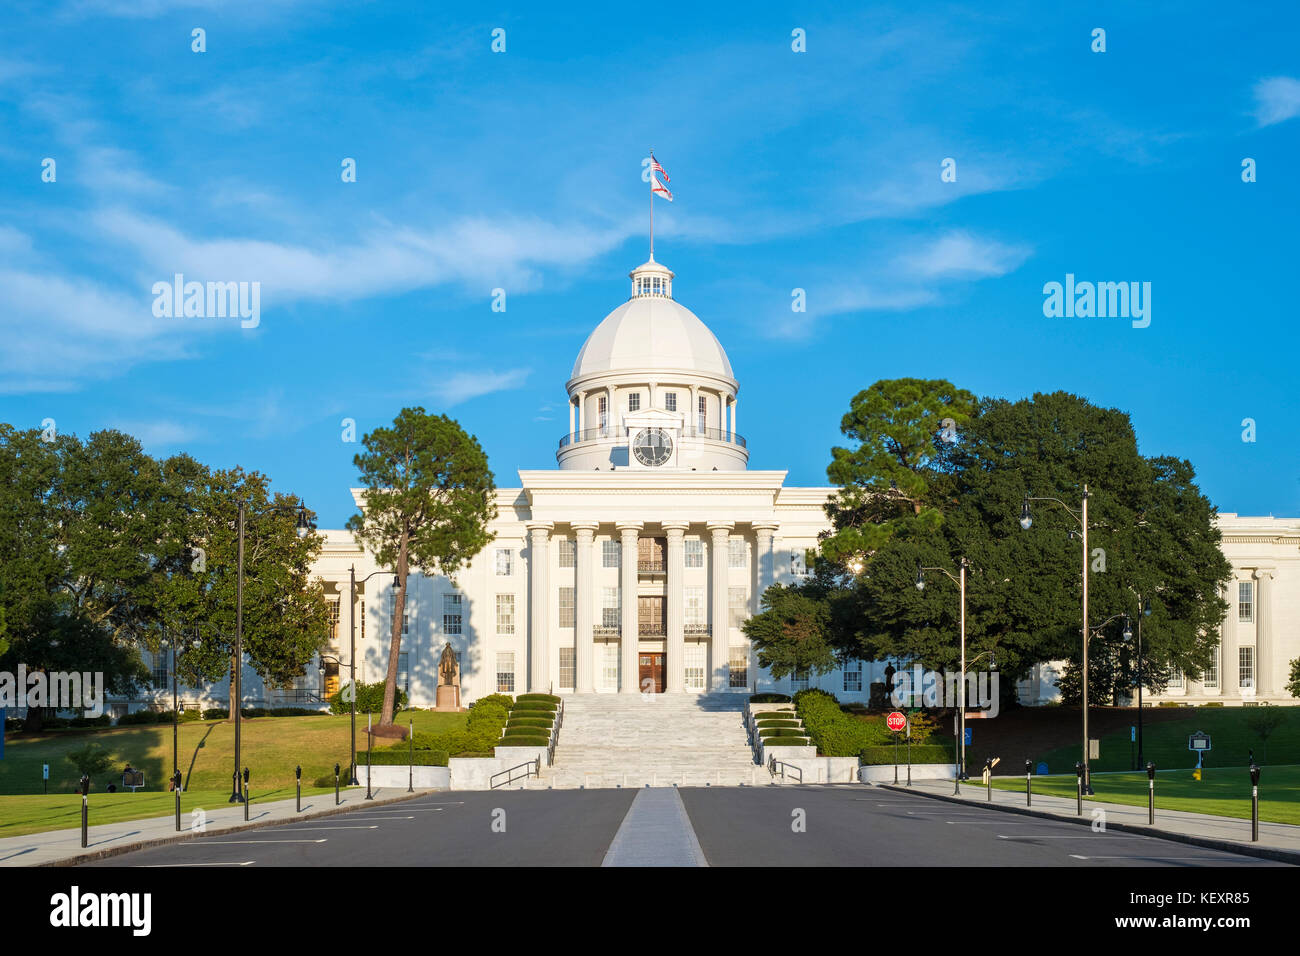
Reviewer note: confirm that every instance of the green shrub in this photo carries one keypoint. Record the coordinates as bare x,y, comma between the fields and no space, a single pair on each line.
90,760
526,732
216,713
139,717
836,733
921,753
103,720
1213,703
766,732
787,742
521,740
534,706
549,698
392,757
543,722
489,712
777,723
370,698
500,700
769,699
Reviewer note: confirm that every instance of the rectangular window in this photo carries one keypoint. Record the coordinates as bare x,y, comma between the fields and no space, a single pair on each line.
694,609
567,605
568,553
1246,667
703,413
737,605
670,401
406,615
736,552
694,553
403,674
611,553
738,667
798,563
1246,601
853,677
799,679
602,413
505,613
611,609
505,562
608,666
1175,677
451,611
161,675
1210,678
568,668
634,402
505,672
696,660
334,620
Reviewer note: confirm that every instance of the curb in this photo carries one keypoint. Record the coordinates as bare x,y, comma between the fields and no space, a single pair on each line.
186,835
1228,846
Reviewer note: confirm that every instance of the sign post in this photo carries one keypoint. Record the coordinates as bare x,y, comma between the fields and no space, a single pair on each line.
1199,744
896,721
45,777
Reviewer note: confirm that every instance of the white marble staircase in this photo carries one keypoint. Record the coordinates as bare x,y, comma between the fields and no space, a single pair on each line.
618,740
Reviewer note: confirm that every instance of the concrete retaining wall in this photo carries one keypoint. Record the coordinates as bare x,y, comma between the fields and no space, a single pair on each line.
920,771
426,778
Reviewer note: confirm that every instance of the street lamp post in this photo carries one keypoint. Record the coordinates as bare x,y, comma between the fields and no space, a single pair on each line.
960,581
305,525
1082,517
1144,610
352,628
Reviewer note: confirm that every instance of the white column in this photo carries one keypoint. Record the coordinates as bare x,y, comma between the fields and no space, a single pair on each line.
629,532
720,532
764,561
584,602
571,419
733,418
693,417
1229,684
539,608
676,581
1263,633
582,412
611,416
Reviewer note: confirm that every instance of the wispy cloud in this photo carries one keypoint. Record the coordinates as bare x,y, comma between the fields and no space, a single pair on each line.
463,386
1277,99
960,255
156,434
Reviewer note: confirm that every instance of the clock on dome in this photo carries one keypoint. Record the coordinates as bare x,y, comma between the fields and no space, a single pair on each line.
652,447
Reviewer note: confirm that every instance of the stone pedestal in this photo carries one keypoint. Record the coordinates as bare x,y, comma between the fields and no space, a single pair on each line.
448,697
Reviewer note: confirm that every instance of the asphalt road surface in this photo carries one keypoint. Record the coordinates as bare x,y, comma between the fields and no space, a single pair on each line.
846,825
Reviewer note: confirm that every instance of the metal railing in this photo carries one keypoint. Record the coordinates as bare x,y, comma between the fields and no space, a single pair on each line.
774,765
555,733
651,567
618,431
531,768
606,630
652,630
697,629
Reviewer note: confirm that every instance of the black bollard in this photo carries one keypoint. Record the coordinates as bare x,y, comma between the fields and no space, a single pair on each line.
1078,789
1029,785
336,785
1254,802
1151,792
247,793
297,779
85,810
176,788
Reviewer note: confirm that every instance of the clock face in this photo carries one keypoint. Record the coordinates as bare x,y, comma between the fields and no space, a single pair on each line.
652,446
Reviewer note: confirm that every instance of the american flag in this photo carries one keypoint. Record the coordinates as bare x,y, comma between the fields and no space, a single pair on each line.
655,185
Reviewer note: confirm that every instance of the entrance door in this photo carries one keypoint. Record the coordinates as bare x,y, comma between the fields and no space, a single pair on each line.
652,672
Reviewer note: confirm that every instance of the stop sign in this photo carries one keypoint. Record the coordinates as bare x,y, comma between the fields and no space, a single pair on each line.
896,721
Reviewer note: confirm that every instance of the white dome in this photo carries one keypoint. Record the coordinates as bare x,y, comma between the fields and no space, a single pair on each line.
652,332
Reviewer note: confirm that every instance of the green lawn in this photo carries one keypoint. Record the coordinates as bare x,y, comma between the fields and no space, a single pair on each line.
36,814
1224,791
1165,743
270,747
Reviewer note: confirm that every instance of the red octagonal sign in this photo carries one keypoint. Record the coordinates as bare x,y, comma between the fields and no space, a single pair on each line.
896,721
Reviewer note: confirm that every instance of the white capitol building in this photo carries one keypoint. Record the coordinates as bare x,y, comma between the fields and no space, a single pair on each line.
631,565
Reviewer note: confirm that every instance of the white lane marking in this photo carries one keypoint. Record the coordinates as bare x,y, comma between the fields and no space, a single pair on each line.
203,843
373,826
657,831
1086,836
157,866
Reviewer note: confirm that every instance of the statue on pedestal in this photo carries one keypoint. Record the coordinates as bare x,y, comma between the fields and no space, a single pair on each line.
448,680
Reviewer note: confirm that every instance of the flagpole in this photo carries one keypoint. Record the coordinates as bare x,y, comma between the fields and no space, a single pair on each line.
652,213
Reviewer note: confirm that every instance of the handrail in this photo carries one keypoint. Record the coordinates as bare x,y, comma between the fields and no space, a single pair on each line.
652,630
619,431
651,567
534,770
773,764
555,733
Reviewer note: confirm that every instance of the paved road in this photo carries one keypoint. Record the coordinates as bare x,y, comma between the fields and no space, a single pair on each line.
838,826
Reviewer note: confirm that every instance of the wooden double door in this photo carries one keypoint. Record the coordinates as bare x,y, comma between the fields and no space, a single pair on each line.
651,672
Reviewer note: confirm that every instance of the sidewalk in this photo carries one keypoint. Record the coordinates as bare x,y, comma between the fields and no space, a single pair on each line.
1277,841
63,847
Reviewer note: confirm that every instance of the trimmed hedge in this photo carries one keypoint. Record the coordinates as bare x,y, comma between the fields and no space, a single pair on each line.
777,723
395,758
776,715
523,740
767,732
538,706
836,733
542,722
131,720
921,753
769,699
787,742
549,698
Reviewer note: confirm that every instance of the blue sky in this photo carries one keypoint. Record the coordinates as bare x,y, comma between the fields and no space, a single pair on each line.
520,170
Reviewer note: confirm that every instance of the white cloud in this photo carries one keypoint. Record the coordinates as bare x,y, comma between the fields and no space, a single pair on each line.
158,433
963,256
463,386
1277,98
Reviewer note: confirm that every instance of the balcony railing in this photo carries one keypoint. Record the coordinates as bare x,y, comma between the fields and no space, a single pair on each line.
618,431
690,629
651,567
652,630
606,630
